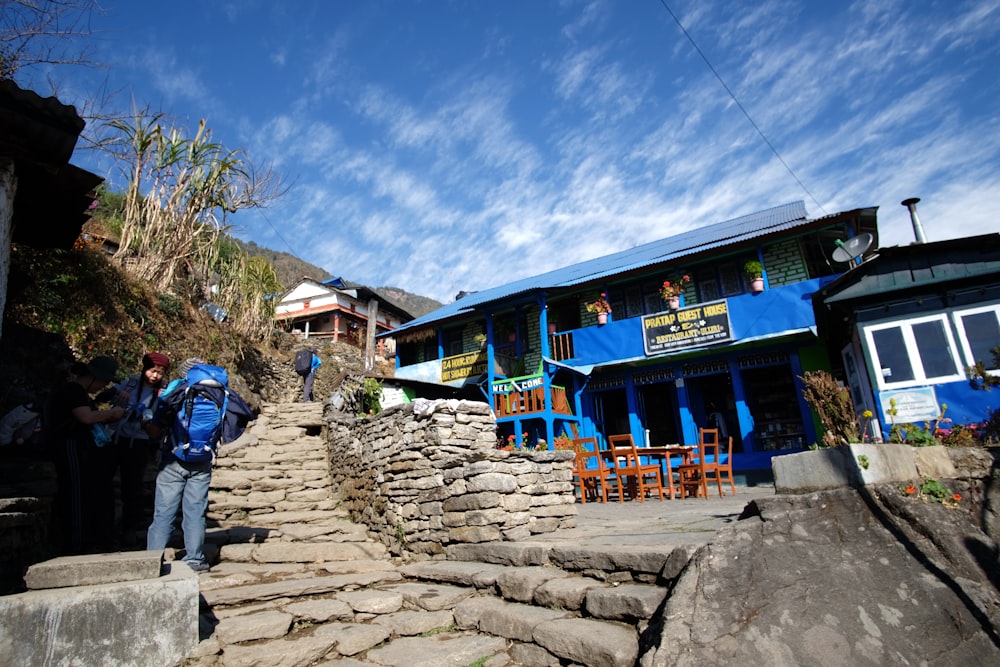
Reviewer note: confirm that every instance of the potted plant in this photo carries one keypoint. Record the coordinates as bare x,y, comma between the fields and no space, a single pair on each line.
671,290
601,307
754,272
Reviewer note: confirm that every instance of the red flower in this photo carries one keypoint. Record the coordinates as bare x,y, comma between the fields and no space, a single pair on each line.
910,490
956,497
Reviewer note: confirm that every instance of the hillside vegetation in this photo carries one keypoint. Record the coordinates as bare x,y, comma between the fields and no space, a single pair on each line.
74,305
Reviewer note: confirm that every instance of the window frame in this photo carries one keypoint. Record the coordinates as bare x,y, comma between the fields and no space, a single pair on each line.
963,338
912,352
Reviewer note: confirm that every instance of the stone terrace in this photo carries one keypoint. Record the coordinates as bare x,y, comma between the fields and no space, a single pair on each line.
298,583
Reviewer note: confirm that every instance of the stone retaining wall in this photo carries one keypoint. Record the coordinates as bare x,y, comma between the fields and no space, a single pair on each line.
427,474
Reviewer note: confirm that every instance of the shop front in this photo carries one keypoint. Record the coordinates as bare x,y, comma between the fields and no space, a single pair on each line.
700,369
753,396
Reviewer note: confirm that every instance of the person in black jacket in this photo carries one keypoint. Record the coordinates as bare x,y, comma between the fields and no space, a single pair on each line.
80,448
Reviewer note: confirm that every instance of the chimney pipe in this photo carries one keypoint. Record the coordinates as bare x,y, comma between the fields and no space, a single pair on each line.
918,231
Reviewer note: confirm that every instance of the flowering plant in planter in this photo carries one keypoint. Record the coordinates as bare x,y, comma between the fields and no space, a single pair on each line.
562,442
671,289
515,444
599,306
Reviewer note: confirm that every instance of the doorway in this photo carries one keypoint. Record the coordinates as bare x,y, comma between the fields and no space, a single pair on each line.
611,412
713,405
658,412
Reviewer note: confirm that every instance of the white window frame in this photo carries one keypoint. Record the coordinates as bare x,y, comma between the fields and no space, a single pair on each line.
919,376
963,339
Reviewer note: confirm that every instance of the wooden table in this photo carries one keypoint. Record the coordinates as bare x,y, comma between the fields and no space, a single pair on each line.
686,452
663,453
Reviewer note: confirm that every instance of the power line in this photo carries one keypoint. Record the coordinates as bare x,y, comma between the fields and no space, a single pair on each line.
277,233
738,104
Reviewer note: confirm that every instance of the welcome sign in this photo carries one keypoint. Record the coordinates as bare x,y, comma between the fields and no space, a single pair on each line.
703,324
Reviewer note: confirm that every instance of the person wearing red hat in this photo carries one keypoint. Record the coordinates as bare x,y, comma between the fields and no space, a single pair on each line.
136,440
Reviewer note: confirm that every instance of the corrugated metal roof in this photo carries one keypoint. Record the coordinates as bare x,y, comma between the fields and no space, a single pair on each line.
720,234
901,268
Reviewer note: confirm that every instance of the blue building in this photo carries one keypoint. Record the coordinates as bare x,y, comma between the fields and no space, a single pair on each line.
724,354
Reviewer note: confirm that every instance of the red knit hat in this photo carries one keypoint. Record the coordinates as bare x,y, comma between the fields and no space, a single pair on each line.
151,359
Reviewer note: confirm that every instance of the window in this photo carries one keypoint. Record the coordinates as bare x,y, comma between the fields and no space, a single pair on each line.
913,352
636,300
979,333
452,342
716,282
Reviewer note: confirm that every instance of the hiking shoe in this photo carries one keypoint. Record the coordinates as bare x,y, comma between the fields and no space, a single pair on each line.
198,565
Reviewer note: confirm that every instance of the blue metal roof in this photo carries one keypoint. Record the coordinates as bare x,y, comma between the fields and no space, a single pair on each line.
729,232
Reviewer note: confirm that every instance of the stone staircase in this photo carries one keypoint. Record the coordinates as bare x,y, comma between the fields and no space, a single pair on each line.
297,583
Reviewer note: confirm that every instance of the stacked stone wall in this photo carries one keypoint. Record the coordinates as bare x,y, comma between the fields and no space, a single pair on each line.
424,475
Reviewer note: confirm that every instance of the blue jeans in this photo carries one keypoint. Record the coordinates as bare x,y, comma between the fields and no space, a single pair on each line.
185,486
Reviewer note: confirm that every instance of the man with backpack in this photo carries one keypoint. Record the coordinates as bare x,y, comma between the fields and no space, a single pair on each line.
306,363
197,413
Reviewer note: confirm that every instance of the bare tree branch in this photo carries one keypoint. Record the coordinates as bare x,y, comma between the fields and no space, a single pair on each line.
39,33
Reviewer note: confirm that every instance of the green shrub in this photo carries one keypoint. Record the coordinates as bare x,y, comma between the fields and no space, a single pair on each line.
170,305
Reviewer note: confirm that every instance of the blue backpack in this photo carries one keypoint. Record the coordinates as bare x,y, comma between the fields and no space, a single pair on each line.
198,405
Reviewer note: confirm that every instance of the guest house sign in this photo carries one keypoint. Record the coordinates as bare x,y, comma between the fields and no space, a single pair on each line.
703,324
463,366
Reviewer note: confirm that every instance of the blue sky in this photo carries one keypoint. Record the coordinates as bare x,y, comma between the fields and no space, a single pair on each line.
440,146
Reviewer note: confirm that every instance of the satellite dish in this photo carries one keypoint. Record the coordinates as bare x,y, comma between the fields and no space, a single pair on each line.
852,248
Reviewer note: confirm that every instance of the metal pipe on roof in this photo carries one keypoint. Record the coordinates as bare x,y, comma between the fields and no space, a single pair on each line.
918,231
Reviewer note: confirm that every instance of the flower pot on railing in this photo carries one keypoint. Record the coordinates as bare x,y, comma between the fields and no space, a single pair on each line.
602,318
674,302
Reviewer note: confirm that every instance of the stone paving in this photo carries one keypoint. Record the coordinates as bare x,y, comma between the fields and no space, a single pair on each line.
320,592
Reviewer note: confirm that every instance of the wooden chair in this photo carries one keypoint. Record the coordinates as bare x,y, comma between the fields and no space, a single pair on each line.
589,473
722,471
694,475
629,469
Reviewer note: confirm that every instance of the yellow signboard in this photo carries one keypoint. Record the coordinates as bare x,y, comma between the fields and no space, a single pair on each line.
463,366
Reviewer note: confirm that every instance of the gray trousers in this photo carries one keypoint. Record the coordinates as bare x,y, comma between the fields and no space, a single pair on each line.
307,388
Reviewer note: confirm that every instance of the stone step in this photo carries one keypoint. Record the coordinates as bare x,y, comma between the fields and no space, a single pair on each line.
548,587
617,564
369,610
580,640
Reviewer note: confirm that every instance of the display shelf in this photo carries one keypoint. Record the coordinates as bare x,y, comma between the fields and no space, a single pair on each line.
772,402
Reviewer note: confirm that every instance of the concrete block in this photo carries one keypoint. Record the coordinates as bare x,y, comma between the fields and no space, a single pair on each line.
934,462
849,465
810,471
94,569
149,622
885,463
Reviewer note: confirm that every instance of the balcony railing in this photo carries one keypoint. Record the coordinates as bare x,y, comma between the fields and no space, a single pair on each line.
562,346
530,401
